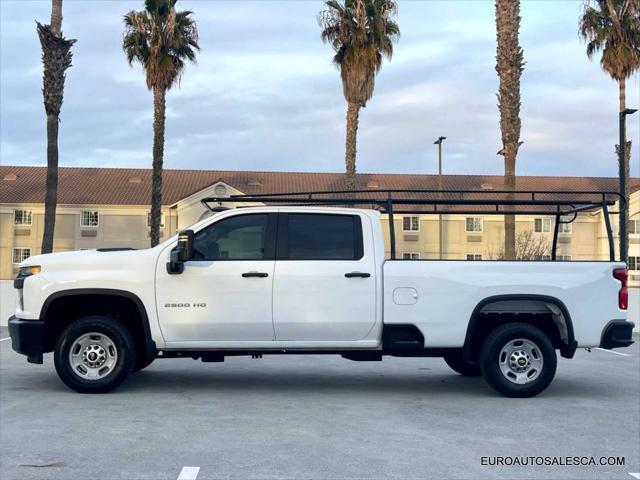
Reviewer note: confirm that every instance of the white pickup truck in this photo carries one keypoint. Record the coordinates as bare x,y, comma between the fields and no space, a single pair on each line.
309,280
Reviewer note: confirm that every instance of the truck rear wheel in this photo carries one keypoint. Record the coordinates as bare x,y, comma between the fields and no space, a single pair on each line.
460,365
518,360
94,354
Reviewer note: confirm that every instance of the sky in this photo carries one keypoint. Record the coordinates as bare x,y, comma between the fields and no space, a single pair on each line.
264,94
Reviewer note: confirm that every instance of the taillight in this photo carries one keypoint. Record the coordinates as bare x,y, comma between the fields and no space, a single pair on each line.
623,295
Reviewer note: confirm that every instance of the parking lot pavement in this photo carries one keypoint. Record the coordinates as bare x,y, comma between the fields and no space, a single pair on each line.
315,417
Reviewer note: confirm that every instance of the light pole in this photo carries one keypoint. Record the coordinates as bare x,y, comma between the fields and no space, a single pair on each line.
439,143
623,168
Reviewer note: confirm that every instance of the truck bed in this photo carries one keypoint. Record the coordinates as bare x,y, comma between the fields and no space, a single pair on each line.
440,297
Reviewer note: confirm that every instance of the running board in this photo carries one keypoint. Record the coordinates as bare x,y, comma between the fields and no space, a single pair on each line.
363,356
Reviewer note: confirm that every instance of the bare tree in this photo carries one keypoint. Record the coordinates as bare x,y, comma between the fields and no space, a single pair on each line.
528,246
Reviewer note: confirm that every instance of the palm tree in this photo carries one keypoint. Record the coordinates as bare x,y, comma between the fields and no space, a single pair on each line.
56,58
161,40
362,33
509,65
613,27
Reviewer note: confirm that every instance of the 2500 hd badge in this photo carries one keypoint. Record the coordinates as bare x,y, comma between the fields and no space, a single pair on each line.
185,305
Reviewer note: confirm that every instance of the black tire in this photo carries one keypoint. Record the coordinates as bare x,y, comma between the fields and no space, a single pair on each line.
541,373
123,355
460,365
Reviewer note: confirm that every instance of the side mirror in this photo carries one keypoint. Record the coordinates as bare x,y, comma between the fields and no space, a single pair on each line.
181,253
185,245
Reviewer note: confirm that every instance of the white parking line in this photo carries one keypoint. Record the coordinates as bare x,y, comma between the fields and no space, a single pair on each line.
636,475
3,339
189,473
611,351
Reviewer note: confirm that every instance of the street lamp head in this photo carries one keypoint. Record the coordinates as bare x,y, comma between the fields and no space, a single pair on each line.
439,140
629,111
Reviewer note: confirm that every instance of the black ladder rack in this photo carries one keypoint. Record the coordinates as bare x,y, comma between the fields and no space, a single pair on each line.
560,204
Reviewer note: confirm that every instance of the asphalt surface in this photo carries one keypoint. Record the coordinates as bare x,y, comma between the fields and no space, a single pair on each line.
290,417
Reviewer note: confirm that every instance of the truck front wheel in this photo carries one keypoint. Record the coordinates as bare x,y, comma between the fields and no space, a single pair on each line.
94,354
518,360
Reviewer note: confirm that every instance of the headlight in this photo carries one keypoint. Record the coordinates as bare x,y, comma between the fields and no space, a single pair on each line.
24,273
30,270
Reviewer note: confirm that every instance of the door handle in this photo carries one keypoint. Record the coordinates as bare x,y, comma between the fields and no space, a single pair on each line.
357,275
254,274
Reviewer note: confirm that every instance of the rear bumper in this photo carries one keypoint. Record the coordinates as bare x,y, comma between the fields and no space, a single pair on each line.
27,338
617,334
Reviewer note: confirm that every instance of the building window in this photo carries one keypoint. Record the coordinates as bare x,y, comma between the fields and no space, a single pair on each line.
634,227
20,255
88,219
22,218
565,228
634,263
473,224
563,258
149,220
411,224
474,257
411,256
542,225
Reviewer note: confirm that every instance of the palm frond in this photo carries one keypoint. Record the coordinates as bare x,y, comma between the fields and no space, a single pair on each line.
613,28
161,40
362,33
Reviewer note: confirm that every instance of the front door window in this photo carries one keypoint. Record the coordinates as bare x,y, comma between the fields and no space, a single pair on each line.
241,237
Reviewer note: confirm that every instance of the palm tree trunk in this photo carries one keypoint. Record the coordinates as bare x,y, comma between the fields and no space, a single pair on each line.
623,164
51,194
510,220
353,111
56,17
56,57
159,107
509,65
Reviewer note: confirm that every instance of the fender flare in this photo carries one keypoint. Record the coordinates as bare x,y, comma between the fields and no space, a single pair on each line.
150,345
566,350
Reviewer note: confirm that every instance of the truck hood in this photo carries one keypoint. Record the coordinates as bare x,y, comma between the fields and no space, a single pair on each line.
81,259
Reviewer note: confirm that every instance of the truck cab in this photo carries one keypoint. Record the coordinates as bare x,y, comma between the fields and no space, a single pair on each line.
278,278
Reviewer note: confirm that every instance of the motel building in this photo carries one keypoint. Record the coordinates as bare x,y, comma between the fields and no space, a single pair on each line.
109,207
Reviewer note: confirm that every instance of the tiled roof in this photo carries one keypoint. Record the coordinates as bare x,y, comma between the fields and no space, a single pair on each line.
129,186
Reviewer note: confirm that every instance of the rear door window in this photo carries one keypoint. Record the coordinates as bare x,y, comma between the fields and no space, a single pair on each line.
319,237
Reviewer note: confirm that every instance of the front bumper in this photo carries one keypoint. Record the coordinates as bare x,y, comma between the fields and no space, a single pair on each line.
27,338
617,334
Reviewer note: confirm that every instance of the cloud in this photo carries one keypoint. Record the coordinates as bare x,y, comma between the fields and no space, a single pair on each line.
264,94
